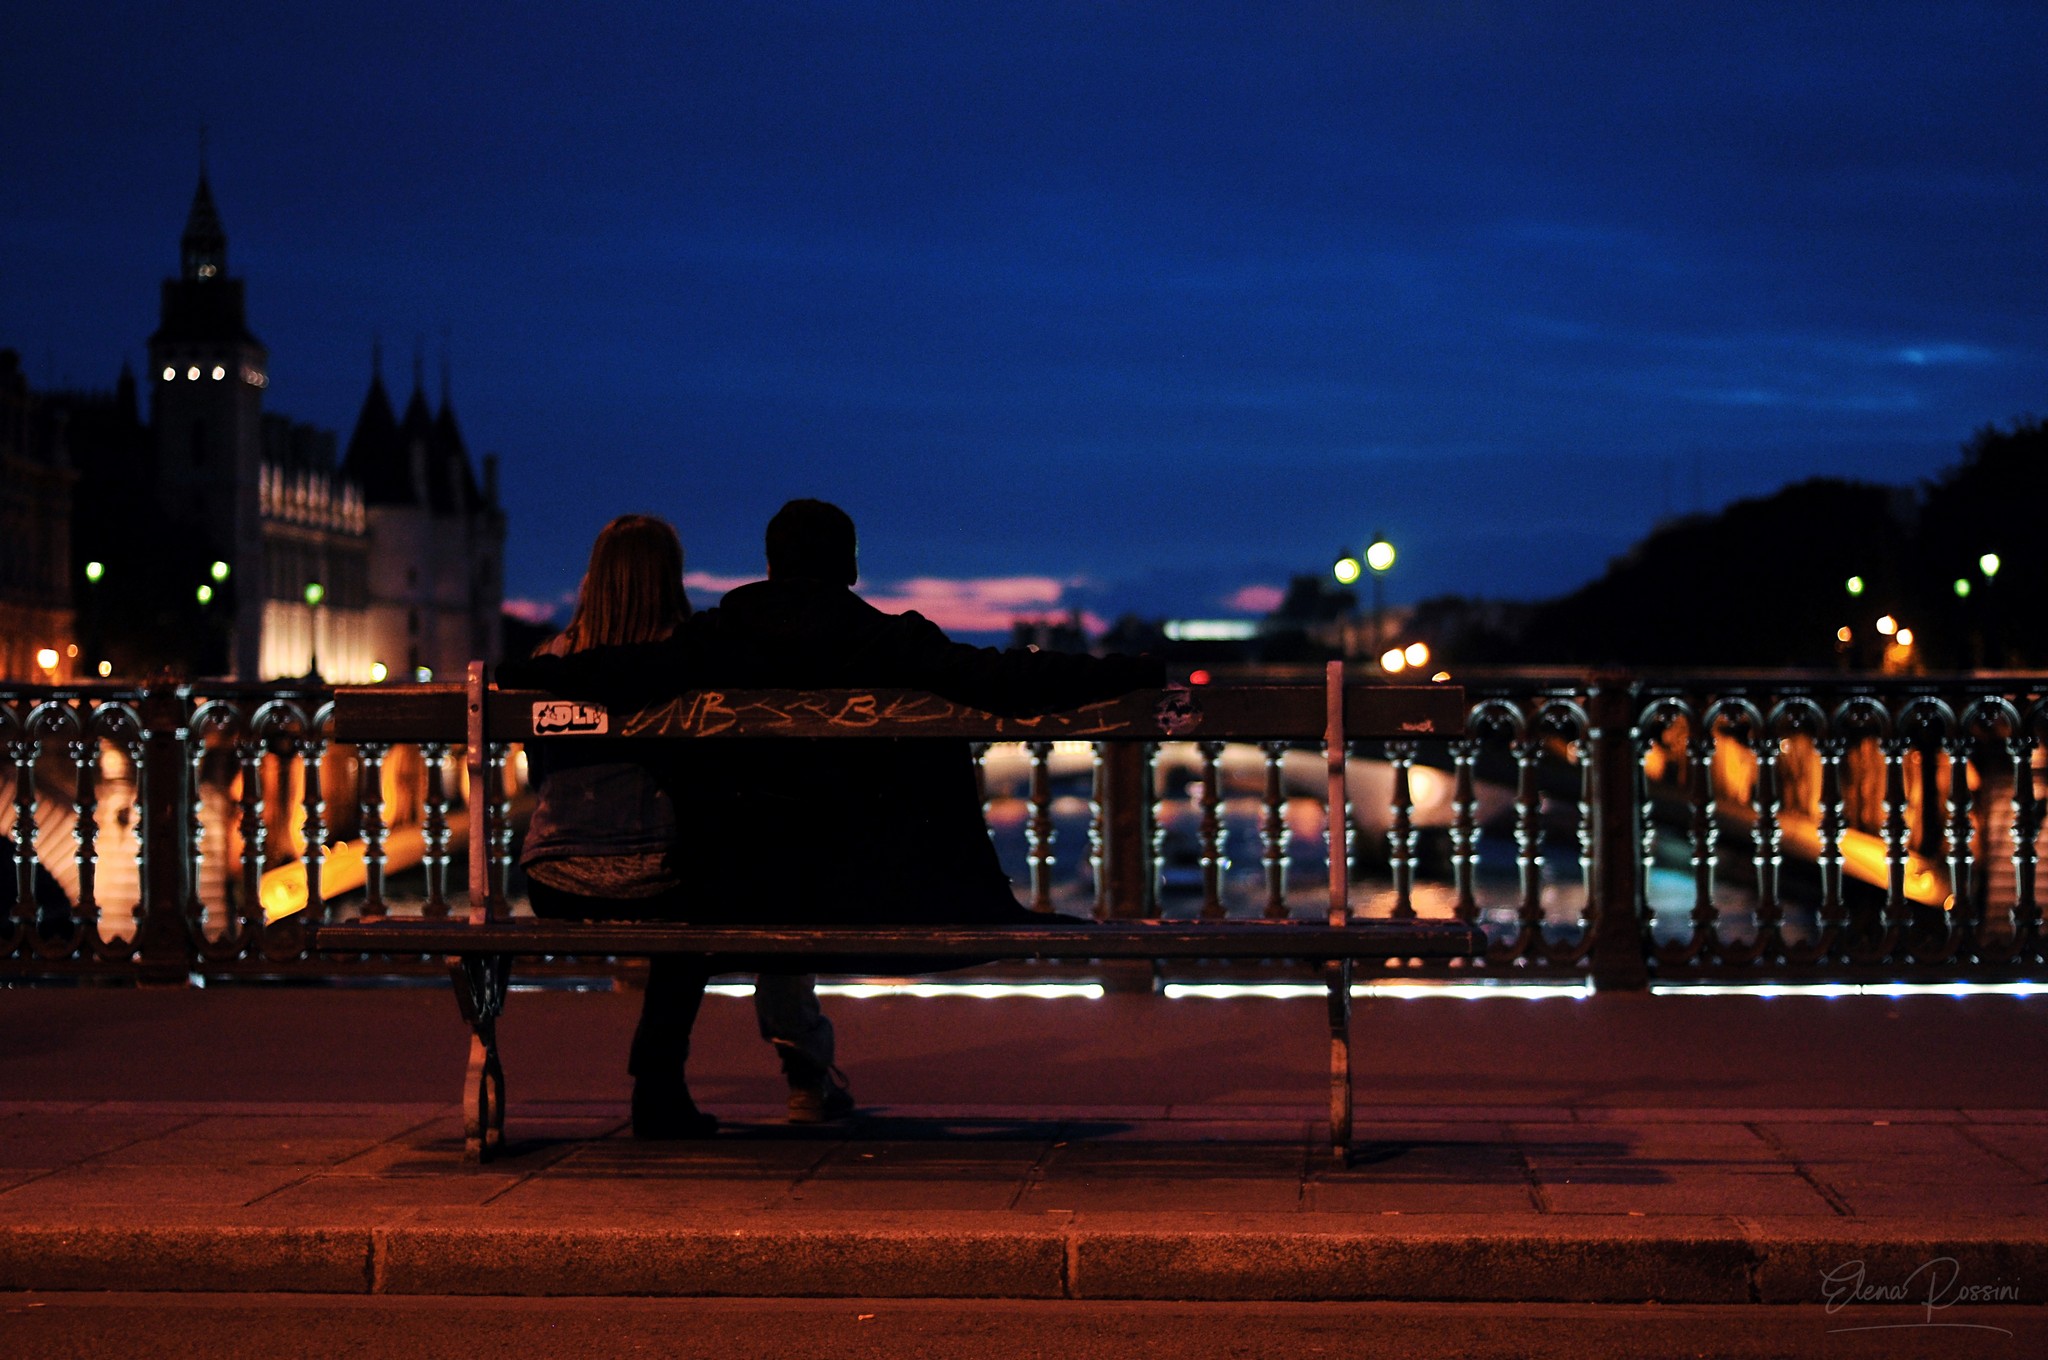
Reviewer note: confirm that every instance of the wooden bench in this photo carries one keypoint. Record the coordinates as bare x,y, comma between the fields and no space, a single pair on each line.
480,949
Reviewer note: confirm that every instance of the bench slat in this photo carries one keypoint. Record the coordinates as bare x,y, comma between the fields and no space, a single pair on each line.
1117,940
1246,712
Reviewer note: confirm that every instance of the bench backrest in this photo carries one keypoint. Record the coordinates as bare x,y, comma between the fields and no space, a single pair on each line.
1334,714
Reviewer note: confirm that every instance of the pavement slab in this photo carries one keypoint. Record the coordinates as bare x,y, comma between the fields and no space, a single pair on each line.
1049,1151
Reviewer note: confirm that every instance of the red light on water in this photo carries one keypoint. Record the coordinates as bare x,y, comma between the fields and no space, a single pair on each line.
1198,677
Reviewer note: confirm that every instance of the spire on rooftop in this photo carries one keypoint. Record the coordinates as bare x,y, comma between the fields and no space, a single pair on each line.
203,250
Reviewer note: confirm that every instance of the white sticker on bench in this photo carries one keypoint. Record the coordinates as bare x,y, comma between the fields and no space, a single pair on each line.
559,716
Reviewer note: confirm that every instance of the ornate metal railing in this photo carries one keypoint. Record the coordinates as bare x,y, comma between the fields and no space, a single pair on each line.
1618,828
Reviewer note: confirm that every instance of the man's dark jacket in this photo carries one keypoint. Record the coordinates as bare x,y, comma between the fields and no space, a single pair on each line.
814,831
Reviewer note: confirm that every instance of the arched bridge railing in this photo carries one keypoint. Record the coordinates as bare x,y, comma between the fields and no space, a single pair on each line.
1617,828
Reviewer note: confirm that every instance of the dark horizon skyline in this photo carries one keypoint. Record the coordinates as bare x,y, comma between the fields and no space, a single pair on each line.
1132,309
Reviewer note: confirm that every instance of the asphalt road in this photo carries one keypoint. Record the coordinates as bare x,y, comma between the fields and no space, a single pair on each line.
207,1327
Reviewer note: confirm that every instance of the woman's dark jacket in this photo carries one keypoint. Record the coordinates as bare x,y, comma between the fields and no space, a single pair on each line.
817,831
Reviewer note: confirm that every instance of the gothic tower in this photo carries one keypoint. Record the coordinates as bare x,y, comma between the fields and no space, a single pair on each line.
208,373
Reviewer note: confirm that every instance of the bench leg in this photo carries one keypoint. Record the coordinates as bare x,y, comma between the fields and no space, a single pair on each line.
480,981
1337,977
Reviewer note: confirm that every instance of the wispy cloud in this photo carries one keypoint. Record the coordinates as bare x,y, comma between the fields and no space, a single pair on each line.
528,610
979,604
1255,599
707,586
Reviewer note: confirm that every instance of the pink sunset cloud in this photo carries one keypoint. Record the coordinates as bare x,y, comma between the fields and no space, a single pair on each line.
1255,599
981,604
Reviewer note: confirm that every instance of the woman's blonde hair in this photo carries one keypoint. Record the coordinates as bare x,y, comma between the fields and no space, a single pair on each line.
633,589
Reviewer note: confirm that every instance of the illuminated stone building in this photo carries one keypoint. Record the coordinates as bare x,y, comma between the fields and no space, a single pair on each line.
37,623
232,542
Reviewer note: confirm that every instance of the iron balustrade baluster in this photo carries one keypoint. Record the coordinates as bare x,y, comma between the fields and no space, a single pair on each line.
1157,780
1401,829
1743,723
1529,843
1858,721
248,938
1993,721
1966,912
119,726
1465,829
116,723
2026,828
978,752
1038,826
1832,915
370,816
1570,722
1897,911
46,933
211,716
1642,740
1213,862
1098,829
56,931
1706,916
280,730
1503,719
84,750
312,751
1655,718
501,822
1273,835
23,749
434,828
1150,833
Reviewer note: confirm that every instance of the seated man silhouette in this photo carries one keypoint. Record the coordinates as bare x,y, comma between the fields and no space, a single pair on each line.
884,831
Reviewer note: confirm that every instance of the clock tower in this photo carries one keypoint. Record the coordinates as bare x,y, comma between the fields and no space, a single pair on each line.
207,374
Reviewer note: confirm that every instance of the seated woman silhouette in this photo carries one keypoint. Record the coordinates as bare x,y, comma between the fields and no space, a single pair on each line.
614,818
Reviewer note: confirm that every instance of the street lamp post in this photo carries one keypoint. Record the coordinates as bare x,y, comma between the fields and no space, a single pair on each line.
1379,555
315,593
1989,564
94,573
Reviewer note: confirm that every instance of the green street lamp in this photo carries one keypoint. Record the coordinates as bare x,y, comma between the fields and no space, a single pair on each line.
204,593
219,571
1855,585
1989,565
1379,555
94,571
315,593
1346,569
1962,587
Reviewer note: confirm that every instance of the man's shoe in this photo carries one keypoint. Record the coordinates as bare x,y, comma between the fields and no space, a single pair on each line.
821,1100
664,1112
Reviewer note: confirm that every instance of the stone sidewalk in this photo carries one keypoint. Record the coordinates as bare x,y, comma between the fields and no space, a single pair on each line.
1505,1204
1675,1148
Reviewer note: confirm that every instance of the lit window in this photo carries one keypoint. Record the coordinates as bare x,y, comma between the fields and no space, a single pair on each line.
207,271
219,372
193,373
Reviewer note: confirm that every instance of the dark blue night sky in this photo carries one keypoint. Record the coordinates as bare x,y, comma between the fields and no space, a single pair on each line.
1129,306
